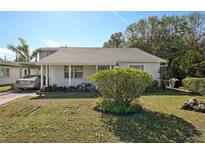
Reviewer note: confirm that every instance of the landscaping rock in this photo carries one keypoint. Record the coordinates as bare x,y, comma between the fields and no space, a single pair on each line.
194,105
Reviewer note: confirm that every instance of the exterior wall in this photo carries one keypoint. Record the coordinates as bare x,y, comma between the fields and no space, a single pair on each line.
33,71
152,68
56,73
13,75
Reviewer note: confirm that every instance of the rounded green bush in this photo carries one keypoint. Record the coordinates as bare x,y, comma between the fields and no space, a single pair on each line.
195,85
117,109
120,87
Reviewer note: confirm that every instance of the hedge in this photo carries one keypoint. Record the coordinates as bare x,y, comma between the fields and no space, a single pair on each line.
195,85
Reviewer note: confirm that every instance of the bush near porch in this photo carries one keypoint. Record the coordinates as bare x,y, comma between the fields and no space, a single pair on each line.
195,85
84,87
120,88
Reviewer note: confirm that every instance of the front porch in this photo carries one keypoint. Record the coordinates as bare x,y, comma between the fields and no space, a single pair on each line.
68,75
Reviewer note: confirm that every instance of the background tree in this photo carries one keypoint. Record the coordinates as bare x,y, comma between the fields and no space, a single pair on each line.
189,61
23,52
174,38
117,40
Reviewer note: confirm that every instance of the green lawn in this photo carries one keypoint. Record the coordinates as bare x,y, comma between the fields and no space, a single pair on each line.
73,120
4,88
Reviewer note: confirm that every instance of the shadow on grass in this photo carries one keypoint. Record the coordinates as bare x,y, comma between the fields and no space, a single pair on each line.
64,95
171,92
151,127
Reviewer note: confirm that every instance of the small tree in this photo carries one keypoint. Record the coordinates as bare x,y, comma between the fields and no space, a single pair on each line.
121,86
23,52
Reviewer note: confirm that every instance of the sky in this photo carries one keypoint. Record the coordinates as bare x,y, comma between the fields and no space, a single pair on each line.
72,29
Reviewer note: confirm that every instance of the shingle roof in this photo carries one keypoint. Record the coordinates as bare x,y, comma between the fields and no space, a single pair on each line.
8,63
48,49
89,56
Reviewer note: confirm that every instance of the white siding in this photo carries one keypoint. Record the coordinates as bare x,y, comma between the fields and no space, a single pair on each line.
13,75
56,75
152,68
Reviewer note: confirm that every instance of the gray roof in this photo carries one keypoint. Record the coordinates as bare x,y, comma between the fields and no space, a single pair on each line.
100,56
48,49
8,63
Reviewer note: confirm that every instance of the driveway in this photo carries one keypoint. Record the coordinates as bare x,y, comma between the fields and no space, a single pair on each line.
7,97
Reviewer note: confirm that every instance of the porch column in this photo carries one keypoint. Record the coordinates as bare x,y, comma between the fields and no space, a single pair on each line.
110,67
46,75
69,77
49,76
20,71
96,68
41,76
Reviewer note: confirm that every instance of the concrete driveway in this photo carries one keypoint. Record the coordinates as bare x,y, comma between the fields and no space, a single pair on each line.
7,97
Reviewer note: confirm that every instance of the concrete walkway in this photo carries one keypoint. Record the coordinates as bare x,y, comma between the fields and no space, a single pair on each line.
7,97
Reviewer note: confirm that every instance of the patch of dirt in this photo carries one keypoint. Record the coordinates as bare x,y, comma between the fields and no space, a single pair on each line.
27,111
37,108
22,110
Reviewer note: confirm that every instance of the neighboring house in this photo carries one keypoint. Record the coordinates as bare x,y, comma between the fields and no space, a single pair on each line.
9,72
72,66
25,66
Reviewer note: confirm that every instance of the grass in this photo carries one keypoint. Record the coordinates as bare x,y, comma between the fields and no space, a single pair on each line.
4,88
73,120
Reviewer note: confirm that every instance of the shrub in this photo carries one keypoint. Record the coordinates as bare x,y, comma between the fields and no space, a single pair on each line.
195,85
153,87
120,87
78,88
118,109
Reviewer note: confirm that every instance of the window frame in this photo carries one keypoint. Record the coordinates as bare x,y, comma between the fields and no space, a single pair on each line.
103,66
73,71
25,72
1,72
66,72
140,65
5,72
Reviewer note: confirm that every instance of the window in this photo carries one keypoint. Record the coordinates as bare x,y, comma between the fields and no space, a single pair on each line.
25,72
66,71
4,72
103,67
76,72
141,67
1,72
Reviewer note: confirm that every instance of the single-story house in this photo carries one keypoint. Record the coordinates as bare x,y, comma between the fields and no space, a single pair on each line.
71,66
25,67
11,71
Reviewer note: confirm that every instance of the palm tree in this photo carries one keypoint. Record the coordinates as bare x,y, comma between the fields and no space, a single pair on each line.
23,53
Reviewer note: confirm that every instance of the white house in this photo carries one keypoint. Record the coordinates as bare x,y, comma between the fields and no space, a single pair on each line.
72,66
11,71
